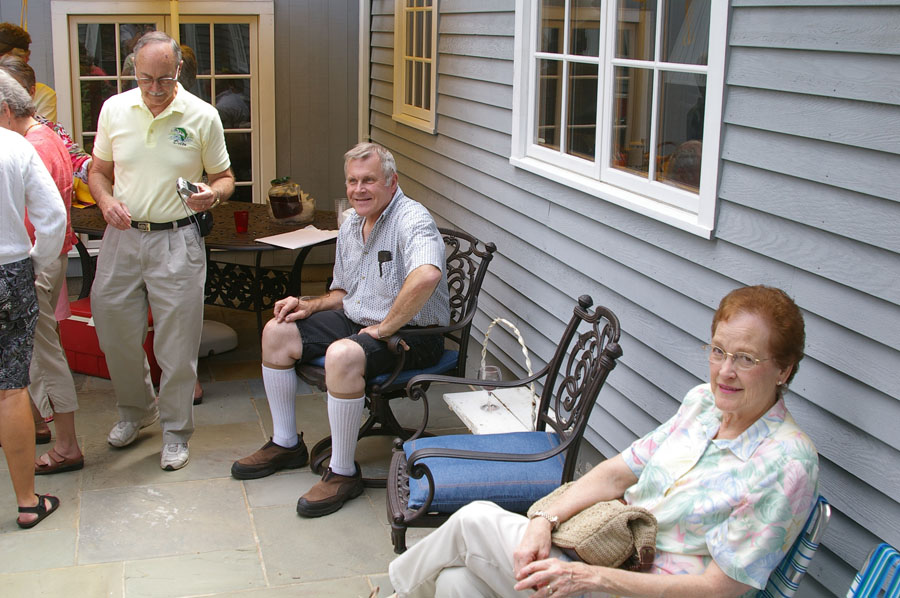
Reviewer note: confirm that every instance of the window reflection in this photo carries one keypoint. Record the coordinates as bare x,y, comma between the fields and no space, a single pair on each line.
549,104
584,36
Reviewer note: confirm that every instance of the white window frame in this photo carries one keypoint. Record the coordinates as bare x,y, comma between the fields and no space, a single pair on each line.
408,114
692,212
262,103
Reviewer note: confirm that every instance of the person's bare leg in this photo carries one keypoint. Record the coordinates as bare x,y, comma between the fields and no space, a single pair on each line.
40,426
66,444
17,438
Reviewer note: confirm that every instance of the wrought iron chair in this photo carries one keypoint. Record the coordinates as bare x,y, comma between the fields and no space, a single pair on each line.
430,478
467,263
879,576
785,579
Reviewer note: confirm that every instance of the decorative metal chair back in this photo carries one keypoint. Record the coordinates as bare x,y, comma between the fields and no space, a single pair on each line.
467,261
879,576
432,477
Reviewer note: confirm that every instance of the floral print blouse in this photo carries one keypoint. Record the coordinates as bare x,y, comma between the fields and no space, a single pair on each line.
741,502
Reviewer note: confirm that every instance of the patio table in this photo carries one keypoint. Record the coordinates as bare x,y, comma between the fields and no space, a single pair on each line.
237,286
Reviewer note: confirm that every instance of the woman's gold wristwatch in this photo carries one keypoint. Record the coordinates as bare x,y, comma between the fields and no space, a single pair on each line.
553,519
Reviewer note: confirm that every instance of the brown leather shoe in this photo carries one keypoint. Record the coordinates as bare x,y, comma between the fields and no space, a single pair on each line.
330,493
269,459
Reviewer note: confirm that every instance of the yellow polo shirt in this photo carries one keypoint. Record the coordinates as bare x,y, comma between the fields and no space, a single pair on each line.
149,153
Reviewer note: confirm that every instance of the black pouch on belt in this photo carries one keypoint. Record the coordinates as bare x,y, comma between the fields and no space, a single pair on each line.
204,222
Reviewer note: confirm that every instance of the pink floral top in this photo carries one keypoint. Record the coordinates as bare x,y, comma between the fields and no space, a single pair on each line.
741,502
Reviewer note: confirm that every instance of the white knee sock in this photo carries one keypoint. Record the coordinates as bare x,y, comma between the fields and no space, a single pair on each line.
344,417
281,390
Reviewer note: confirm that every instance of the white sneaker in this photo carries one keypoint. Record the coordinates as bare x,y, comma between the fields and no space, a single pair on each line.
174,456
124,433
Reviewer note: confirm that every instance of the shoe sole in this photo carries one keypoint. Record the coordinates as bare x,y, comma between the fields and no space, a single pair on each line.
136,434
310,511
254,474
173,468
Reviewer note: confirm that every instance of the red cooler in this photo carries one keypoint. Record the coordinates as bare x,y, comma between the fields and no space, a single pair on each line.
79,340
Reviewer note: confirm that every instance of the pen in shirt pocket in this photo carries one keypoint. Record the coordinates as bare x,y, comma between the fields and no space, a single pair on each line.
383,256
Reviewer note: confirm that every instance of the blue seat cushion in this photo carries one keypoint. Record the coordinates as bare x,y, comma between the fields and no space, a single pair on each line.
513,486
446,363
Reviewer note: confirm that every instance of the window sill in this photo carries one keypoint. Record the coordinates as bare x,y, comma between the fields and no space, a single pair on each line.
417,123
646,206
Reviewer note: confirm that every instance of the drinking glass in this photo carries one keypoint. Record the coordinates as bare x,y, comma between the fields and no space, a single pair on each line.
340,207
241,221
489,373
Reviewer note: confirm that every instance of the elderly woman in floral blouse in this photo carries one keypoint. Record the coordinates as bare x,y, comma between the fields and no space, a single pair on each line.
730,478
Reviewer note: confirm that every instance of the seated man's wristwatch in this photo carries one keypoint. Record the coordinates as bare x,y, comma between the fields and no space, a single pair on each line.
553,519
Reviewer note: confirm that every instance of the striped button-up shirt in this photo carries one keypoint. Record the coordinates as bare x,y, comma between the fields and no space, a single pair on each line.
372,272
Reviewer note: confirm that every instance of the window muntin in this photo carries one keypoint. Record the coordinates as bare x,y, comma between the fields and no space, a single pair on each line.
611,98
415,68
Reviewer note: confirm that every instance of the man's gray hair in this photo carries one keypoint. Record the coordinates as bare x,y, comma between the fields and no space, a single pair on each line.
152,37
363,150
14,95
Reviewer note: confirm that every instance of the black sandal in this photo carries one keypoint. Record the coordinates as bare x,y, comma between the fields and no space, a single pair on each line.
40,510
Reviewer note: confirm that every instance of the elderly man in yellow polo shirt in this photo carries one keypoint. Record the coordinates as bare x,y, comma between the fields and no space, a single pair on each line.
152,252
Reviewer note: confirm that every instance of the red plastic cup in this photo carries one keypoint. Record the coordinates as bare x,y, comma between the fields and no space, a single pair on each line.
241,221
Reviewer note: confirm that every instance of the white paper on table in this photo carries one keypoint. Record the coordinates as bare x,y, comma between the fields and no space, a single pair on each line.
303,237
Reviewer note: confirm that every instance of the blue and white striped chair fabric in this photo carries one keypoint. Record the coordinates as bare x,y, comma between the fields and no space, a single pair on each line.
785,579
879,576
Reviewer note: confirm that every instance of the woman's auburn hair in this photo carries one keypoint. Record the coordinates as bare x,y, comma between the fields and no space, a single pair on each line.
787,336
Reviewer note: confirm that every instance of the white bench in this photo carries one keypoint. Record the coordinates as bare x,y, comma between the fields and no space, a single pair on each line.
511,412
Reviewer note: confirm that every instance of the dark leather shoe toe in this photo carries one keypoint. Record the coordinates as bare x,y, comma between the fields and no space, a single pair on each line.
330,493
269,459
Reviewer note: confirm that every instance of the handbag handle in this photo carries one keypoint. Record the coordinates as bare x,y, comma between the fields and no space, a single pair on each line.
518,335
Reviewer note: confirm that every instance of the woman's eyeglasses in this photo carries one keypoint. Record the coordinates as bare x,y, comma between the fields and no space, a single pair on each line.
742,361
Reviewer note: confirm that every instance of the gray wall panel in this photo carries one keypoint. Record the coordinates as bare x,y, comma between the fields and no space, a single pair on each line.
805,204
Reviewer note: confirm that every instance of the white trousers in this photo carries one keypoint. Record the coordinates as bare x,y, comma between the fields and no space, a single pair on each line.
165,271
51,377
471,555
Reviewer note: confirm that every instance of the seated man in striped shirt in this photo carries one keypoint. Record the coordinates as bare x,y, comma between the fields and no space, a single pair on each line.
388,274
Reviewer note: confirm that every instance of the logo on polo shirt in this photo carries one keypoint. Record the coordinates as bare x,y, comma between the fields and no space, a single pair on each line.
179,136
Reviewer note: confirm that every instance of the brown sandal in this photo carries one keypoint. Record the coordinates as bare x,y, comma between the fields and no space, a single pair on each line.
40,510
58,463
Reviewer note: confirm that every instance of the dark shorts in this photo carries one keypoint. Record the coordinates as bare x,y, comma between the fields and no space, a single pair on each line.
322,328
18,317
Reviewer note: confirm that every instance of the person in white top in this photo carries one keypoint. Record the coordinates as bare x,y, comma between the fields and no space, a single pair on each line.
24,184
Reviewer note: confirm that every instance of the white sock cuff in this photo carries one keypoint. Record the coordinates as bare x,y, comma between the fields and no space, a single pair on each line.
281,392
344,417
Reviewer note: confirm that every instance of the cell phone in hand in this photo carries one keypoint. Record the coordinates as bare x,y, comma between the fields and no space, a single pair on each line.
186,188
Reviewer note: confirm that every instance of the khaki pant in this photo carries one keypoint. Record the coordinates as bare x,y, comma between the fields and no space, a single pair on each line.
470,555
165,271
50,375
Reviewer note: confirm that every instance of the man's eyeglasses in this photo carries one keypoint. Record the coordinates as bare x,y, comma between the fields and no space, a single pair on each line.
163,82
742,361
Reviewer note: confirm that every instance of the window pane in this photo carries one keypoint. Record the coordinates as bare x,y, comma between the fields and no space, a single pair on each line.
584,34
426,81
196,35
636,30
410,32
204,90
188,76
551,22
239,150
686,32
582,112
549,104
233,102
97,49
93,94
409,82
129,34
417,33
242,193
232,48
680,129
426,34
631,119
418,84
